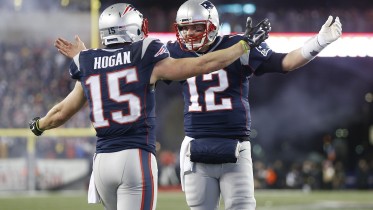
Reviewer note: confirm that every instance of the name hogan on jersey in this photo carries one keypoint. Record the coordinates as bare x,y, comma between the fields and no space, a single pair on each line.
111,61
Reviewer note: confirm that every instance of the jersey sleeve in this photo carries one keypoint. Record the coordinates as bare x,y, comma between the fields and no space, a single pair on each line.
74,70
262,60
255,57
259,54
156,51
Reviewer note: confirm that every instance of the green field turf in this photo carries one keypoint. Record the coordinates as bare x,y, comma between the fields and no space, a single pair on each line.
266,200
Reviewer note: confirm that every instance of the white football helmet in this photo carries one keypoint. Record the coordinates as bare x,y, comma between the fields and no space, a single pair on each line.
120,23
197,12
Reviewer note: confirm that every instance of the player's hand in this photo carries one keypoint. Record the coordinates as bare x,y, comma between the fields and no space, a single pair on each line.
256,35
329,31
34,126
69,49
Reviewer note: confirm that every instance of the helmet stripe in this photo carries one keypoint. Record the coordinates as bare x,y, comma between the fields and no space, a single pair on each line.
127,9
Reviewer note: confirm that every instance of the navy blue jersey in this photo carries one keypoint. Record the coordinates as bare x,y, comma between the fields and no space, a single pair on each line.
217,104
116,83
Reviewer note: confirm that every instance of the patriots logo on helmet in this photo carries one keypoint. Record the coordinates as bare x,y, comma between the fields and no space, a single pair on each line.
207,5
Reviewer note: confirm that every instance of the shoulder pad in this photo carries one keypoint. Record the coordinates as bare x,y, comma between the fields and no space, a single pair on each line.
145,44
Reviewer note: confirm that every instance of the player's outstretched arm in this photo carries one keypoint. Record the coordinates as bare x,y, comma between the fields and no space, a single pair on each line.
61,112
181,69
329,32
69,49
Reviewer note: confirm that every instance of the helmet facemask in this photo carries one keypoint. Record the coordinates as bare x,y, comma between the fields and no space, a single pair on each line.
196,42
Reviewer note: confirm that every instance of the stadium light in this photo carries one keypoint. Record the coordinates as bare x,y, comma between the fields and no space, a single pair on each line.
65,3
237,9
17,5
230,8
249,9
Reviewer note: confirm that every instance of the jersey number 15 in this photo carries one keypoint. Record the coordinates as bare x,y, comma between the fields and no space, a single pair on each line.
113,87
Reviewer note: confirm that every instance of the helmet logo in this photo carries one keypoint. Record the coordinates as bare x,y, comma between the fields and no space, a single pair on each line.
207,5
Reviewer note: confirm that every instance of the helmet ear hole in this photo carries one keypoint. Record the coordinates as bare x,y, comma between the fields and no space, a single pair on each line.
144,27
212,31
211,26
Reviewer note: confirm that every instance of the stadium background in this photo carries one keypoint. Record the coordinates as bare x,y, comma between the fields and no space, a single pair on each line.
312,129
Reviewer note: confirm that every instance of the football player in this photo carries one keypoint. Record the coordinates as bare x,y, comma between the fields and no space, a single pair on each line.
215,156
118,84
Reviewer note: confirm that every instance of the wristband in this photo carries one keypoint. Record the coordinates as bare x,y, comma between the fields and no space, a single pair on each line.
245,46
34,126
311,48
37,126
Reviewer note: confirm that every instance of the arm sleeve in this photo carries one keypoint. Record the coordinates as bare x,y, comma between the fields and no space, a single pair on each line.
272,65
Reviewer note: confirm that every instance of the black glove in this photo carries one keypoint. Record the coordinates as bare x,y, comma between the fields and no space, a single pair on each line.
255,36
34,126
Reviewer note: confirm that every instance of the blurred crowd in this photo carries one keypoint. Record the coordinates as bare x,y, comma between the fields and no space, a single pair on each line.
309,20
286,18
282,20
33,77
306,174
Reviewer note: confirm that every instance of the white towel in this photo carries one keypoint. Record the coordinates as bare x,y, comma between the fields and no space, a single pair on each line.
185,163
93,196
